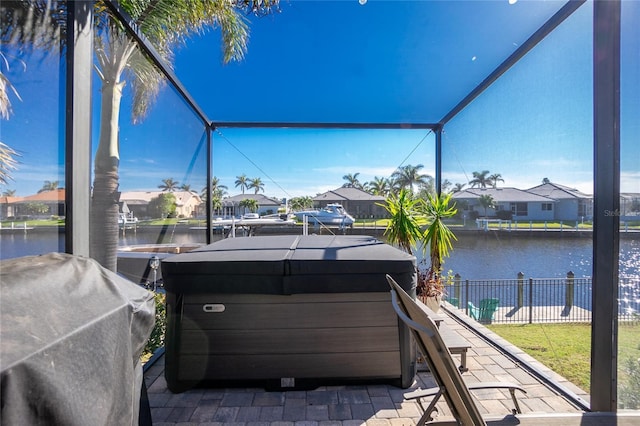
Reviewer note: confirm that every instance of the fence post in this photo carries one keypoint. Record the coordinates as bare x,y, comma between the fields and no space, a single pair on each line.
520,290
530,300
456,288
568,303
466,297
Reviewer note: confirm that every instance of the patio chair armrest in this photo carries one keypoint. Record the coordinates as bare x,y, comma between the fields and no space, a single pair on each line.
512,387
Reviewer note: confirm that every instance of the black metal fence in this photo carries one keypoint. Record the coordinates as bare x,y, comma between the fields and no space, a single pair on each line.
534,300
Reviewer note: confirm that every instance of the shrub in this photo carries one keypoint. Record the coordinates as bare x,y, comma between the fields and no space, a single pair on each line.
504,214
156,339
630,388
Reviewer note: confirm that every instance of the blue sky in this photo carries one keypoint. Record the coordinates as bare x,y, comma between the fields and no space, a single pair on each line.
340,61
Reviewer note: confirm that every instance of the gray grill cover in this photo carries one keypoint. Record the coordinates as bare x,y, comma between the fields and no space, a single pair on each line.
289,264
71,337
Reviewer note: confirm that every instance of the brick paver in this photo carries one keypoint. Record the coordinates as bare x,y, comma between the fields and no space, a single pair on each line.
373,405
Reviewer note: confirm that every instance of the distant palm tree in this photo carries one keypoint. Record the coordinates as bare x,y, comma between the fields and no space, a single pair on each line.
379,186
487,202
216,189
242,181
409,176
300,203
49,186
169,185
458,187
185,187
494,178
480,179
351,181
249,204
256,184
9,193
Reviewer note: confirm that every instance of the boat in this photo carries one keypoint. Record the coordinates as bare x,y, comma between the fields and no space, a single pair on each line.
332,214
127,220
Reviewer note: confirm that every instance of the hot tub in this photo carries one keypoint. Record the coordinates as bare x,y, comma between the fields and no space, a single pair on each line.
287,312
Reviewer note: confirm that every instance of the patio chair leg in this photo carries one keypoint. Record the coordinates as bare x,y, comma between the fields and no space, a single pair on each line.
515,401
426,416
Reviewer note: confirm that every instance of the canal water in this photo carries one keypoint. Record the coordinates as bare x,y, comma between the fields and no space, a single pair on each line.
475,256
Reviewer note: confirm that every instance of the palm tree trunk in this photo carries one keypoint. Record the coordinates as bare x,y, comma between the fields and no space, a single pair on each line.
105,197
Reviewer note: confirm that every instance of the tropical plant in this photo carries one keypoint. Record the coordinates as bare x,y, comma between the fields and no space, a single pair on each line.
480,179
439,237
8,163
487,202
403,227
49,186
379,186
242,181
164,205
9,193
351,181
256,184
494,178
301,203
458,187
249,204
185,187
169,185
217,190
167,24
35,208
409,176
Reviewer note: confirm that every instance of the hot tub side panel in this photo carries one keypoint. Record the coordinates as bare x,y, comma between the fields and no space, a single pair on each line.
322,337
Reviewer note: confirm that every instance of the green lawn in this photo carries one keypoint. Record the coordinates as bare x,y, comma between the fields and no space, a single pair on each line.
566,348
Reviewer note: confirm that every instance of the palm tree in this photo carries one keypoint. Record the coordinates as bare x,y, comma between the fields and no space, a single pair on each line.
403,227
494,178
409,176
169,185
487,202
217,190
256,184
480,179
49,186
242,181
7,163
167,24
351,181
185,187
249,204
458,187
379,186
9,193
439,237
301,203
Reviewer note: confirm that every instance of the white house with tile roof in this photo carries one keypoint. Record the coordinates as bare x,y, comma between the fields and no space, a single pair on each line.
266,205
522,205
570,204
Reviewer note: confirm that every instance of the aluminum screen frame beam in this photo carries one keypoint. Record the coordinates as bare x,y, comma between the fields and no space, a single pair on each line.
606,209
152,54
566,11
321,125
78,80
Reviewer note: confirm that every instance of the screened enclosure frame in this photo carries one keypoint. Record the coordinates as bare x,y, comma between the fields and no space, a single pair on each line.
606,145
